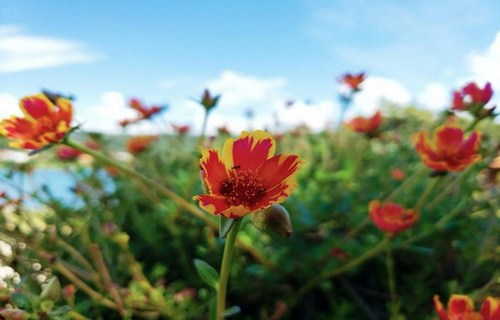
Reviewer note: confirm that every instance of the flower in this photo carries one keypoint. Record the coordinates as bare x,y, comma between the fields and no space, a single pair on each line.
144,112
139,144
391,217
223,130
43,123
461,307
353,81
398,174
208,101
66,153
247,176
368,126
181,129
471,96
448,149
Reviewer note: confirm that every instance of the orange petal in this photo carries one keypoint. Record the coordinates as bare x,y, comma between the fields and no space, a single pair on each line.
438,306
214,171
251,149
460,304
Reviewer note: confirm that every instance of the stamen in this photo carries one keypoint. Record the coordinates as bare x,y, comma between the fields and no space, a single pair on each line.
242,188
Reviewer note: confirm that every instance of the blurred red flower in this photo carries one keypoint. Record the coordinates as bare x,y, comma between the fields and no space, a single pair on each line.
208,101
398,174
461,307
366,125
181,129
247,176
43,123
139,144
391,217
353,81
471,96
66,153
448,149
144,111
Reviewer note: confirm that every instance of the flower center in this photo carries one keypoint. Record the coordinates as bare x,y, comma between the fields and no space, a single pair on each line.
242,188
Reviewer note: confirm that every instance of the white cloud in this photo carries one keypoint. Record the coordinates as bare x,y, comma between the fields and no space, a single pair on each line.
8,105
435,96
485,66
239,90
20,51
105,114
375,91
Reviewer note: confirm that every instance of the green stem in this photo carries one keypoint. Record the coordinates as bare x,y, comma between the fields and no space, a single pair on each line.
473,124
426,193
344,268
226,269
204,127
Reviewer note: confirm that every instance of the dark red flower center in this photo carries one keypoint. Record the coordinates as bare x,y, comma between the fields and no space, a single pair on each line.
242,188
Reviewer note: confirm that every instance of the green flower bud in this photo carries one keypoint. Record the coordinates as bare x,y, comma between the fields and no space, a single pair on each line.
51,290
274,219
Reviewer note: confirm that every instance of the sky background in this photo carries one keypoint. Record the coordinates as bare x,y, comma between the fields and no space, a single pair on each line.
255,53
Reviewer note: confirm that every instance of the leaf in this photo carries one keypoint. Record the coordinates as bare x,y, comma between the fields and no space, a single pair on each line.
207,273
225,226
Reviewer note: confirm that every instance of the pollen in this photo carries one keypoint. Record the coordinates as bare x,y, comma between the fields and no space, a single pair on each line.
242,188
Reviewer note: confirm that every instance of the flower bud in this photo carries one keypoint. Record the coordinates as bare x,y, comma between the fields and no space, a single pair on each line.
208,101
274,219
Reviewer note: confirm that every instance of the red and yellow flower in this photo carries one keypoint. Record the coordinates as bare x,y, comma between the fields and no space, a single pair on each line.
353,81
461,307
368,125
247,176
448,149
43,123
391,217
139,144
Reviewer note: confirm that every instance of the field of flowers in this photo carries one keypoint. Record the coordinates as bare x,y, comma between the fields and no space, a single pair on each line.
393,216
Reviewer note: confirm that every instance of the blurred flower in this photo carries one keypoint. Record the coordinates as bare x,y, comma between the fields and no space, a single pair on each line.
391,217
43,123
65,153
139,144
472,96
185,294
68,293
223,130
448,150
145,112
368,126
461,307
181,129
289,103
339,253
353,81
398,174
112,171
208,101
246,176
92,145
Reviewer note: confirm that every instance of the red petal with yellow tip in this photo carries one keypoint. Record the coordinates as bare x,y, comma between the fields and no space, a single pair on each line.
490,309
438,306
214,171
250,150
460,304
212,204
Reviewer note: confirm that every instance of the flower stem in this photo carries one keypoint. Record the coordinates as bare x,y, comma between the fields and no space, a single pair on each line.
394,303
226,269
426,193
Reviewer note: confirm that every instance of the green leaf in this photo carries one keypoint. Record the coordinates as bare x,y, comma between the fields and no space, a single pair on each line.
225,226
207,273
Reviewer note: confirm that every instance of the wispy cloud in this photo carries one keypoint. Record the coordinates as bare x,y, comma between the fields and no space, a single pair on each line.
20,51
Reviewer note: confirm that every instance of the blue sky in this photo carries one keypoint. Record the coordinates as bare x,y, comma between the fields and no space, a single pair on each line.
168,51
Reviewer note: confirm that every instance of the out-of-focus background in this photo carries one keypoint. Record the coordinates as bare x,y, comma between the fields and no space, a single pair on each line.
257,55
